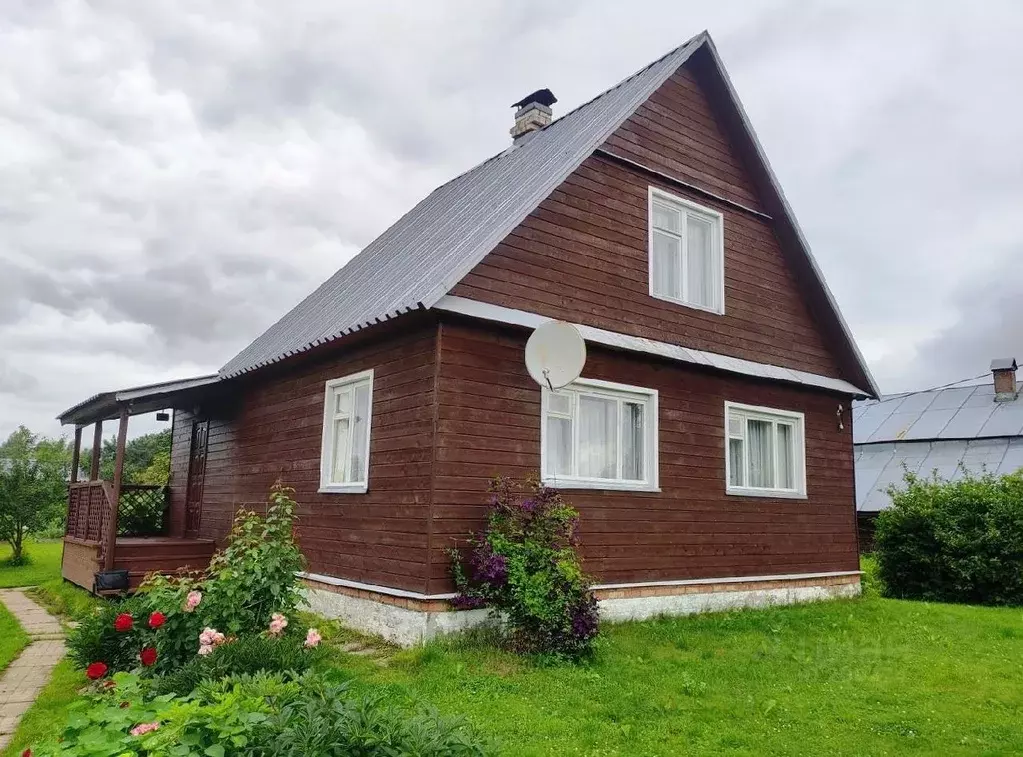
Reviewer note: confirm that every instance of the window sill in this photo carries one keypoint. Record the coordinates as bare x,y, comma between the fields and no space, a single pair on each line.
771,493
343,489
616,486
683,303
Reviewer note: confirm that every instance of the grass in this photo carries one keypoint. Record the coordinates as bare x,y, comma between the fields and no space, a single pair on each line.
64,599
12,638
868,676
42,563
49,712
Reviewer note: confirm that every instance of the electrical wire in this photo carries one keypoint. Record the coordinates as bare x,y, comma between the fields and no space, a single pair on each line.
903,395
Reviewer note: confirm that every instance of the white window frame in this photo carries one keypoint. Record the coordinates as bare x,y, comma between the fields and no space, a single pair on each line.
774,415
621,393
327,486
717,222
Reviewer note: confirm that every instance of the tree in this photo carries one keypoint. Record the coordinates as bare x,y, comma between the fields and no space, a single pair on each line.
146,459
33,480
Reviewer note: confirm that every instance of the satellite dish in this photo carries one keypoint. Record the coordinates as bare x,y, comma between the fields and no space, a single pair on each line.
555,354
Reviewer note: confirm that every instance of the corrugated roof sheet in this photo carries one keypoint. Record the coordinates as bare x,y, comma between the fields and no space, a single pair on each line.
426,252
878,466
968,412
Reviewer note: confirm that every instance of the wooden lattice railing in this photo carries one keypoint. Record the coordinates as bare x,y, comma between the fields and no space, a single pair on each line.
142,511
88,509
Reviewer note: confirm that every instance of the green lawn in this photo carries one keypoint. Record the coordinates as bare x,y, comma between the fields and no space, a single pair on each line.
870,676
43,564
12,638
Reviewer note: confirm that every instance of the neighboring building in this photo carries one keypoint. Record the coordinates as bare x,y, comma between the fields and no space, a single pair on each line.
943,431
708,445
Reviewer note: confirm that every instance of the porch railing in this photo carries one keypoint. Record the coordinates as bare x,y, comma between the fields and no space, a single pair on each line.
142,511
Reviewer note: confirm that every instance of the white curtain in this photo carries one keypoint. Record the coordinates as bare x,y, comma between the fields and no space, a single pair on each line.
760,437
341,449
667,265
598,437
786,469
559,446
699,272
632,442
735,462
360,428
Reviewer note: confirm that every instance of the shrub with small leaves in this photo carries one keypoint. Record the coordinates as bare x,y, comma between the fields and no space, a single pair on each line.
525,566
953,541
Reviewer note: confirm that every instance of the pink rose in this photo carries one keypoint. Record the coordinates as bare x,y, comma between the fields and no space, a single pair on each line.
312,638
277,624
144,728
205,649
192,600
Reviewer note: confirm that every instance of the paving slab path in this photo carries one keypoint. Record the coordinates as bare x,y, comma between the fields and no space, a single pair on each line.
29,673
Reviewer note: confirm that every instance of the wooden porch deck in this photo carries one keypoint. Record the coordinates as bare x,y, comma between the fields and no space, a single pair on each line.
141,546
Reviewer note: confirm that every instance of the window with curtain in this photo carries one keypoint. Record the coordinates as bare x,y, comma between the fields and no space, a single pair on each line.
596,434
344,458
686,252
765,452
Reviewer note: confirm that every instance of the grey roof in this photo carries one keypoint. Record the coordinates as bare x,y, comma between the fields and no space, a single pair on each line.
432,247
138,399
942,430
966,412
878,466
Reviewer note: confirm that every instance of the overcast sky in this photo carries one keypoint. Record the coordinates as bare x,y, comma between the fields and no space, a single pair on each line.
176,174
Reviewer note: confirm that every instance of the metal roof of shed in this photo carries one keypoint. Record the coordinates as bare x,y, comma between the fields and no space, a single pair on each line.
432,247
966,412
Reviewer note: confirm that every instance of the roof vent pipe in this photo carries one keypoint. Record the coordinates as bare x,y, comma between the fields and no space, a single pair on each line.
534,112
1004,371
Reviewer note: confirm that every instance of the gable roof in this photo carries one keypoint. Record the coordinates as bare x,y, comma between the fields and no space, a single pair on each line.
431,248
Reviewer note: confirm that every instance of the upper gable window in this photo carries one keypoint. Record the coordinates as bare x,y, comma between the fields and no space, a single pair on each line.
686,253
344,456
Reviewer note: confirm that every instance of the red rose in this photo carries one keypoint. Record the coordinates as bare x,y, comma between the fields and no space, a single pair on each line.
156,620
148,656
124,622
27,753
96,670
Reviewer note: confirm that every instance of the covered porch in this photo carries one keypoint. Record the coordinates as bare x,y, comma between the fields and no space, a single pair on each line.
118,532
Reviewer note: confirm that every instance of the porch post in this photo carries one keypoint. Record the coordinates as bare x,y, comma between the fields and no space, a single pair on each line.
76,455
97,445
122,436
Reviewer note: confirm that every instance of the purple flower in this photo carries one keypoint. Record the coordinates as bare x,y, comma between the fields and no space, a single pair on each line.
467,602
584,619
529,505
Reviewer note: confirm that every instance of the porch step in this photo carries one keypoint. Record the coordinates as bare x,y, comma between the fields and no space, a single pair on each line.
161,555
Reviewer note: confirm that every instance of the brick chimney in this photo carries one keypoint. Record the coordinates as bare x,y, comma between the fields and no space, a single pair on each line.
1004,370
534,112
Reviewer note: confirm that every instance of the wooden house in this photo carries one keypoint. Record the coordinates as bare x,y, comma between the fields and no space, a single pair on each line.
708,445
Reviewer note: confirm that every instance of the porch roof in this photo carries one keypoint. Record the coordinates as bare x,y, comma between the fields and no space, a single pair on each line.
137,399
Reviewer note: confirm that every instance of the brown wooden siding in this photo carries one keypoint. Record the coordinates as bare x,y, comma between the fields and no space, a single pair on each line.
489,423
275,431
582,255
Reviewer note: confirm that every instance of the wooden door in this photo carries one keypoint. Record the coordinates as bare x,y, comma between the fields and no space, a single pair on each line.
196,476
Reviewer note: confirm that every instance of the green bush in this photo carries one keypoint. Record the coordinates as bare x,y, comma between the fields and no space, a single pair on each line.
958,541
244,656
525,566
257,716
97,639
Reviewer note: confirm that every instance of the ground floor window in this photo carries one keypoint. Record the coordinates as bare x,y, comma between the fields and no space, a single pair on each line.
766,451
599,435
344,457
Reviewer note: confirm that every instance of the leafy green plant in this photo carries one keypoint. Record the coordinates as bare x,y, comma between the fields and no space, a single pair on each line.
246,655
953,541
33,476
97,638
525,566
254,576
178,638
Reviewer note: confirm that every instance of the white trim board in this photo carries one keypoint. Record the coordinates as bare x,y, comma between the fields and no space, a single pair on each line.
332,581
511,316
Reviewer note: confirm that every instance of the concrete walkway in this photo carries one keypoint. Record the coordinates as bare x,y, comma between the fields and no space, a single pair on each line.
29,673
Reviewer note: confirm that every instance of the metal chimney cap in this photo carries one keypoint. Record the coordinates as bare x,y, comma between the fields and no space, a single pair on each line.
541,96
1003,364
